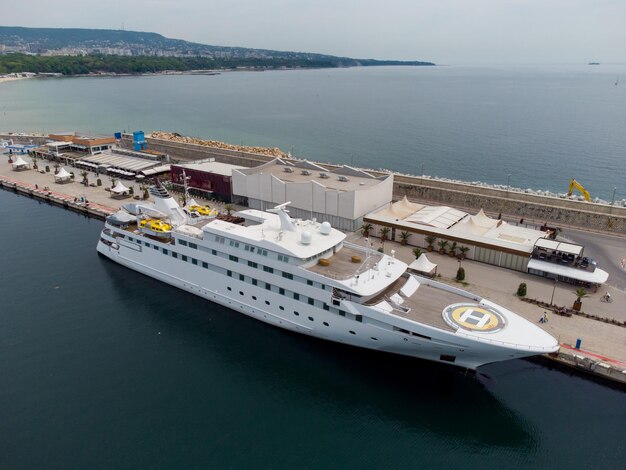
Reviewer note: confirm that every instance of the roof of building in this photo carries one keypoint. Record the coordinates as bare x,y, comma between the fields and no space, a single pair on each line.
211,166
132,164
444,221
344,178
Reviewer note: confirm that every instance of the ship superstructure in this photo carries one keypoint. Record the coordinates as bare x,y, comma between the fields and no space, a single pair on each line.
303,276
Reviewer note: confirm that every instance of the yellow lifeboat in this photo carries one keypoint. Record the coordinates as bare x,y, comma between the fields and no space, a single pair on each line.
203,210
156,228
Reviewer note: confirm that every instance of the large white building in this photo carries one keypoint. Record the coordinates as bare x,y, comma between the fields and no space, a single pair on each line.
341,196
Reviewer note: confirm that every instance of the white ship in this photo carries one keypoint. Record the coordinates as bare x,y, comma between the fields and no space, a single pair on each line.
303,276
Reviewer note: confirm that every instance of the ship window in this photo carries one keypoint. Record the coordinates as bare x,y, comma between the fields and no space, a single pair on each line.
281,307
193,245
261,251
281,291
296,313
375,339
326,323
229,288
268,286
131,239
214,252
283,258
219,239
233,258
240,292
194,261
326,307
311,301
184,257
267,269
234,243
287,275
447,358
401,330
155,247
254,297
359,318
205,265
183,242
254,281
242,277
311,318
342,313
421,336
352,332
174,254
296,296
309,282
165,252
229,273
267,302
252,264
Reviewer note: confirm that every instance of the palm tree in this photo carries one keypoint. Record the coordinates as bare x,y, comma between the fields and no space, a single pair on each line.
463,251
442,246
229,208
404,237
366,229
384,232
430,240
417,252
580,293
452,251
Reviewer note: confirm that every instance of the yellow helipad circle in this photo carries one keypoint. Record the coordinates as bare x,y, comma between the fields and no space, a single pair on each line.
473,317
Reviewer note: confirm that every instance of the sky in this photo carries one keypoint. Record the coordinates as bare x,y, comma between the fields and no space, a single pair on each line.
441,31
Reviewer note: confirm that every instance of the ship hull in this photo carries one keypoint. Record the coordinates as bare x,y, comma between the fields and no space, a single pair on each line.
289,314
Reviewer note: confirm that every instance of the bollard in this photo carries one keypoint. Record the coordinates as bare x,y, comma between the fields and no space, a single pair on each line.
578,343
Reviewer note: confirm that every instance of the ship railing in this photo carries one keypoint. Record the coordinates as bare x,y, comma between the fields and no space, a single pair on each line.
503,343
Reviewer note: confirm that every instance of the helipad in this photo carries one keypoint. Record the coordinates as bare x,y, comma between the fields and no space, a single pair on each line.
473,317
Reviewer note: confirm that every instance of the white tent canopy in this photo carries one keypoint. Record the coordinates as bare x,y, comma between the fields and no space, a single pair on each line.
119,188
423,265
63,176
19,164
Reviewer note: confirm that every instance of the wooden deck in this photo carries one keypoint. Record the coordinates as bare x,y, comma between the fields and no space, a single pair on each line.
341,265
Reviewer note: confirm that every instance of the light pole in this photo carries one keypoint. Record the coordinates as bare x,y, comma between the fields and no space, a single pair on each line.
553,289
508,183
613,200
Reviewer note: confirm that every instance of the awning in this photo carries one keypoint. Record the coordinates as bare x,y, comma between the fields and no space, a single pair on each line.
569,248
598,276
423,265
547,243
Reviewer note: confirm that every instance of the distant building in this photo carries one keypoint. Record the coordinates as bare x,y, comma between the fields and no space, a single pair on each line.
208,178
340,196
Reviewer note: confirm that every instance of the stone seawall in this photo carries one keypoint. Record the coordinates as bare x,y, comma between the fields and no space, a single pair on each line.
555,211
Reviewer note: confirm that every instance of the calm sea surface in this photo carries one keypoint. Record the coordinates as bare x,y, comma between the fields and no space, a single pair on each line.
101,367
542,125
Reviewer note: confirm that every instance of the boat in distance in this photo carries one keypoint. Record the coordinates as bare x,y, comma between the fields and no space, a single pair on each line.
301,275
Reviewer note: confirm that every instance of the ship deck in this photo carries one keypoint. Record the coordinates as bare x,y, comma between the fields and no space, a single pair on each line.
341,265
425,306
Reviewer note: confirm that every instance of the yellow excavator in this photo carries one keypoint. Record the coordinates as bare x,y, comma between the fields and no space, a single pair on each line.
573,184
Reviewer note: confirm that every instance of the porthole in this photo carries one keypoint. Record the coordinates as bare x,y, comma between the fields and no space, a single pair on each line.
267,302
229,288
326,323
240,293
254,297
281,307
375,339
352,332
311,318
296,313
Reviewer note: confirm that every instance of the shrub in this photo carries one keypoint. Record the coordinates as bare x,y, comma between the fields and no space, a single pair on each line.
99,182
521,290
417,252
47,169
460,274
380,250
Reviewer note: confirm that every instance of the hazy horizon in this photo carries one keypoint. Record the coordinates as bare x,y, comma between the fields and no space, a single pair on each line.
482,32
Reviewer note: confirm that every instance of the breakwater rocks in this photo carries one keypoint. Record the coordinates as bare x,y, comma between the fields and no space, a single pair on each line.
174,137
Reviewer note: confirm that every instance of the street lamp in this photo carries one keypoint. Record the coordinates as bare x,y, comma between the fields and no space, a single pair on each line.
553,289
